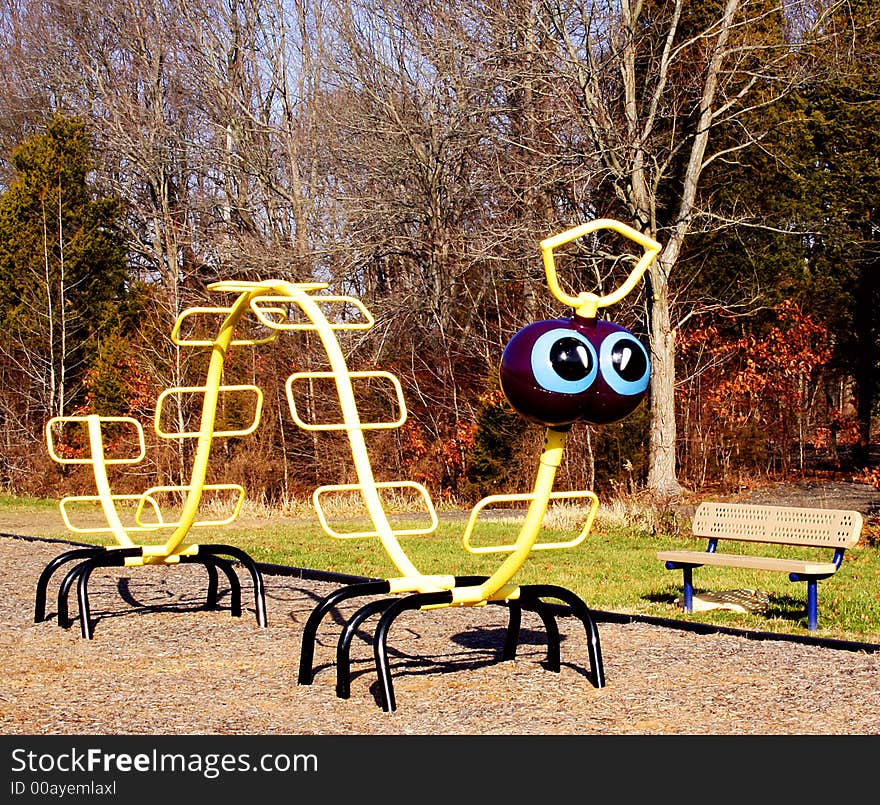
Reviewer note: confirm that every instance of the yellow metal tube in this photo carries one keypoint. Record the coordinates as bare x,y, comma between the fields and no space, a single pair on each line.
520,497
310,306
355,432
551,458
206,429
99,469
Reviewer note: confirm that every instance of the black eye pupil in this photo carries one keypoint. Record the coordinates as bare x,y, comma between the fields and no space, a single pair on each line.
628,360
571,359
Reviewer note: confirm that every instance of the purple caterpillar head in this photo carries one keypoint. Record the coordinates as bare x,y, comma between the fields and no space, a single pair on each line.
562,371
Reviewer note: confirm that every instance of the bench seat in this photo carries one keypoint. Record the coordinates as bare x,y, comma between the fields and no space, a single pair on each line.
697,558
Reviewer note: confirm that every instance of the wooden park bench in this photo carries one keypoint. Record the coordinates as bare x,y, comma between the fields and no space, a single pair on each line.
826,530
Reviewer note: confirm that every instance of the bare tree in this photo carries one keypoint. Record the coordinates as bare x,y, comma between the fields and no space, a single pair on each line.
648,82
412,152
412,108
259,64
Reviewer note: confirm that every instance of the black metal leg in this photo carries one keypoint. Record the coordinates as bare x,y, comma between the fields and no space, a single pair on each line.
307,649
82,597
209,556
516,606
80,574
553,653
511,639
46,575
212,563
380,641
325,605
213,584
256,576
343,647
234,586
63,593
114,558
533,592
530,598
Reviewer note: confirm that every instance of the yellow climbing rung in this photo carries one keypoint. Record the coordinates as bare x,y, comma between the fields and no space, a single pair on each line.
401,404
387,485
207,342
522,498
57,423
283,319
97,501
154,491
258,409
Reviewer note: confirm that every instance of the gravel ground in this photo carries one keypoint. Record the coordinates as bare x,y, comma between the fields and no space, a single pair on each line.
160,664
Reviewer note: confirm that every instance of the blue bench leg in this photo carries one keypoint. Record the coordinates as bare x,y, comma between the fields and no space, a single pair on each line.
688,597
812,605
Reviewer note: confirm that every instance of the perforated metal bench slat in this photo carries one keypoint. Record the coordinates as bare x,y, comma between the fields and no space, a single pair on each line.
819,528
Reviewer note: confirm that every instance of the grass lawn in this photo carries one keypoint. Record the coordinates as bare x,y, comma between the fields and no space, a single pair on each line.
615,569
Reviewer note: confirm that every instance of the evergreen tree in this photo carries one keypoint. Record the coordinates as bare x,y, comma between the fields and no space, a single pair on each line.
491,465
844,180
62,273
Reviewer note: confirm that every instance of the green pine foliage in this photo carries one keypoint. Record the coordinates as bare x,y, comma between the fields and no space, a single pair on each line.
63,269
844,180
490,462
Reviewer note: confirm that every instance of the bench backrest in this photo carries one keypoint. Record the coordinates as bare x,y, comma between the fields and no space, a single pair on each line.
819,528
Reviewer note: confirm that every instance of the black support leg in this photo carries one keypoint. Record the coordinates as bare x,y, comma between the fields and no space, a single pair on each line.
511,638
82,597
251,566
46,575
324,606
212,564
531,593
234,586
63,593
343,647
80,574
380,641
554,660
213,584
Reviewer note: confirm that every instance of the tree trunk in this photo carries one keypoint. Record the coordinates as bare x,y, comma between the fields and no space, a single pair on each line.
662,477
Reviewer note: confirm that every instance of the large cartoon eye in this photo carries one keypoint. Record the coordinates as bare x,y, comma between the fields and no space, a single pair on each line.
562,371
545,370
624,363
564,361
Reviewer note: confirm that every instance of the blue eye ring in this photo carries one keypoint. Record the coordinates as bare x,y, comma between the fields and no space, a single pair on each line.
542,367
609,372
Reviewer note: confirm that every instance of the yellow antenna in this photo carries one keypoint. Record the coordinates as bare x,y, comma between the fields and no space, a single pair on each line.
587,304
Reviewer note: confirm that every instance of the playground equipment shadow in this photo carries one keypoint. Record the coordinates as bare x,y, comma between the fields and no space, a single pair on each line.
160,664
